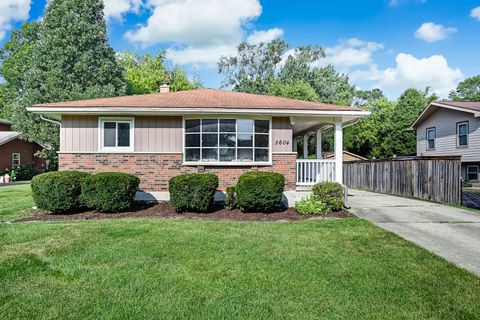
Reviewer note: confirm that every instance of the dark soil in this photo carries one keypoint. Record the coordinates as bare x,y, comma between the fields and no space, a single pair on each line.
164,210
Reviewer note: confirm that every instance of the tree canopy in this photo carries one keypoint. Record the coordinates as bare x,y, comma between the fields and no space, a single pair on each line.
467,90
65,56
144,73
271,68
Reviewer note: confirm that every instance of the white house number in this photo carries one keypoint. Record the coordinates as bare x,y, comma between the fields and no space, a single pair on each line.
282,142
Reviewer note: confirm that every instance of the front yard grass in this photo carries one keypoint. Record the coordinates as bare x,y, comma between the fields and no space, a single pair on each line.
15,202
197,269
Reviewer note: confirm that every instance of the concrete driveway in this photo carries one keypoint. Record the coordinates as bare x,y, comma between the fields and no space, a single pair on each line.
449,232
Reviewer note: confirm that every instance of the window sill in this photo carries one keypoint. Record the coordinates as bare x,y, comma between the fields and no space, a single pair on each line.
228,164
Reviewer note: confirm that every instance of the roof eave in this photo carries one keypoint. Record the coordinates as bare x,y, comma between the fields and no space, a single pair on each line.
177,111
420,119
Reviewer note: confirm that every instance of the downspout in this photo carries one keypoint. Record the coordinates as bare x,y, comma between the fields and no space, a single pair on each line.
51,121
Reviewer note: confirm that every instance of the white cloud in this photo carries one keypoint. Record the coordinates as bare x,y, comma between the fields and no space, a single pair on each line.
10,11
115,9
200,30
411,72
349,53
431,32
395,3
475,13
265,36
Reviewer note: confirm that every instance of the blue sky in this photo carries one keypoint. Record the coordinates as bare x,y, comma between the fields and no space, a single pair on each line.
390,44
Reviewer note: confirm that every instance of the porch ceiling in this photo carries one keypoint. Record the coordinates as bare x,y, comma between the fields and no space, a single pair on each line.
303,125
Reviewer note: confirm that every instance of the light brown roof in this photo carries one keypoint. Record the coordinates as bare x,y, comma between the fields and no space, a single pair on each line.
202,98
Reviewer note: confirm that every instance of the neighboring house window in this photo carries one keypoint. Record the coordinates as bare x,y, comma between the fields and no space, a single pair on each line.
15,159
116,134
431,135
472,173
227,140
462,134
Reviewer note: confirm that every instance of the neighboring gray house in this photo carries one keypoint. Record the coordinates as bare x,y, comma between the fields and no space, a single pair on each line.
448,128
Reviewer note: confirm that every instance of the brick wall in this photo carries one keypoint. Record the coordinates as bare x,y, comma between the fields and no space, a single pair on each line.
155,170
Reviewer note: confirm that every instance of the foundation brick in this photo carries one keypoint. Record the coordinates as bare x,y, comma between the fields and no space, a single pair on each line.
155,170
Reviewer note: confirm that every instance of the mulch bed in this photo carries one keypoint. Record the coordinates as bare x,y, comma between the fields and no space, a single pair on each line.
164,210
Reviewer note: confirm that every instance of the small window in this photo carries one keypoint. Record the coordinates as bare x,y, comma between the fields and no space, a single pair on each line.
472,173
431,135
15,159
116,135
462,134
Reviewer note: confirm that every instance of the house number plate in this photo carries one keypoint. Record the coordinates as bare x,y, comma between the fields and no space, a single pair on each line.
282,142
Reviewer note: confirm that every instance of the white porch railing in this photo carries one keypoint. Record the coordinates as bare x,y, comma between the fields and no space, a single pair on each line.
311,171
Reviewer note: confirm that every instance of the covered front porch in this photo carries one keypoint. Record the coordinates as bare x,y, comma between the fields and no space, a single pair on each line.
311,168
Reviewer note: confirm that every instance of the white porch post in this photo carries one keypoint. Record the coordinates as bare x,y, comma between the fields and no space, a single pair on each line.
338,152
305,146
319,144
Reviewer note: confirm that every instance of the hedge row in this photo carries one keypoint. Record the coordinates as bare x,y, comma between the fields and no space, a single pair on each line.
67,191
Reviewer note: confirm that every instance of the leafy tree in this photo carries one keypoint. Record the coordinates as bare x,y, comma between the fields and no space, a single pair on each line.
467,90
65,56
295,89
411,103
331,86
259,69
145,74
254,66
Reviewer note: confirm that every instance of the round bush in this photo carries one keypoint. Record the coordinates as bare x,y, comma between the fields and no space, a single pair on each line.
58,191
330,193
110,191
260,191
193,192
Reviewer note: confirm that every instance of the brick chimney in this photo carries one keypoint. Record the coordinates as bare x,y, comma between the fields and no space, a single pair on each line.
164,88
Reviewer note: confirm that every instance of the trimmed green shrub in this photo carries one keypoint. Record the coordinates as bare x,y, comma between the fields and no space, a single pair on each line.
260,191
311,205
58,191
193,192
110,191
330,193
231,199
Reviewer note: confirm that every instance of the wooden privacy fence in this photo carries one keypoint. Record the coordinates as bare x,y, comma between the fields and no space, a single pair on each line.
430,178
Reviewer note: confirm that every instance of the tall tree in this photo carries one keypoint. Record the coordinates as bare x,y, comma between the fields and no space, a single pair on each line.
294,89
66,56
411,103
269,68
144,74
254,66
467,90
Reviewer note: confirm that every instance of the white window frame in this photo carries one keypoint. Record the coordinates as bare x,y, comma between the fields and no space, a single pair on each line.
458,133
472,166
229,163
101,122
434,138
19,159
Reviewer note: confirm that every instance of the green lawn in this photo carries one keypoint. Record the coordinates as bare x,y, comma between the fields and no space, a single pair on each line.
177,269
15,200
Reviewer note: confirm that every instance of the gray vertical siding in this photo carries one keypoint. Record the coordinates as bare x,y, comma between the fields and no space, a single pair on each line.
158,134
79,133
282,131
152,134
445,123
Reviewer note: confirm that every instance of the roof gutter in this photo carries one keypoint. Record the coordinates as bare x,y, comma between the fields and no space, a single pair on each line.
176,111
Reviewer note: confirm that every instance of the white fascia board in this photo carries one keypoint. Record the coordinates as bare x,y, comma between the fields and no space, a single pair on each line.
177,111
